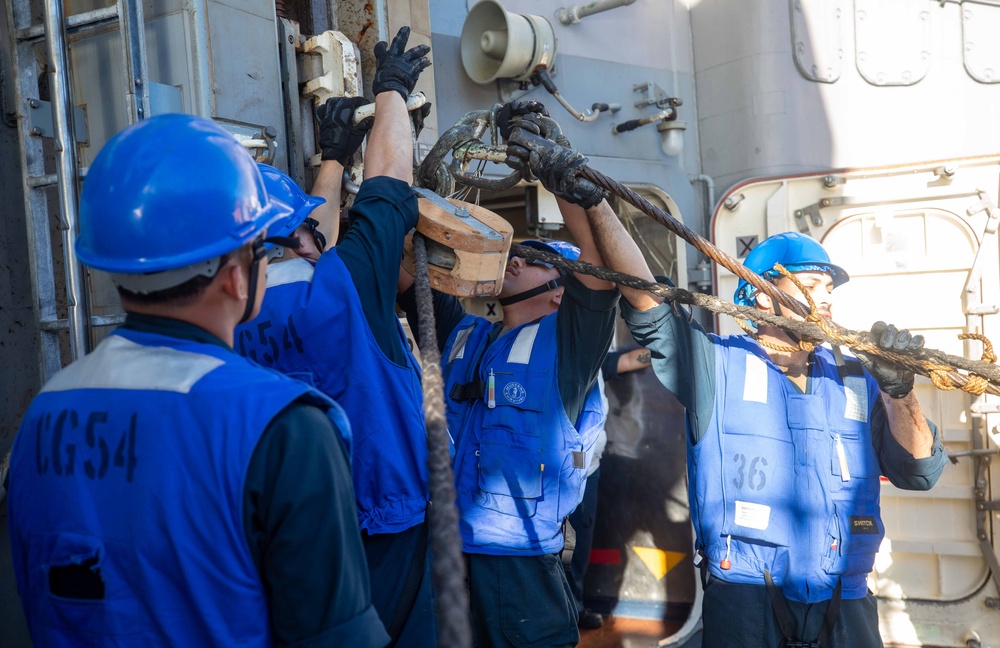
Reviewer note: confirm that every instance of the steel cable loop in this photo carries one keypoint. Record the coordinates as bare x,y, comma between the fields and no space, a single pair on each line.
451,598
927,362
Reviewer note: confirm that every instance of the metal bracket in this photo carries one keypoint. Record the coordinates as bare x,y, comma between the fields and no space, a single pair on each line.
991,407
39,114
259,140
831,181
986,204
700,276
732,203
971,291
812,212
460,212
654,95
331,67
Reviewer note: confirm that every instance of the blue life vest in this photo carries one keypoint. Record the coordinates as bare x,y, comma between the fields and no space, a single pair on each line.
520,466
312,327
131,464
785,481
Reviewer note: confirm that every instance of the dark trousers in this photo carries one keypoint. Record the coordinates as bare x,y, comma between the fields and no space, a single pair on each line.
521,602
582,520
390,558
737,615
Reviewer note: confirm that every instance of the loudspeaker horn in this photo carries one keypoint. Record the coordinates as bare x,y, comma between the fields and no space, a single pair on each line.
497,44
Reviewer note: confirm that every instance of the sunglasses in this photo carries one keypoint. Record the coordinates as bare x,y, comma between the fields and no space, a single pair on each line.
535,262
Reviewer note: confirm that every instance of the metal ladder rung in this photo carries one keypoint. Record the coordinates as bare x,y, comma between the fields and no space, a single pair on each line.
50,179
74,23
50,326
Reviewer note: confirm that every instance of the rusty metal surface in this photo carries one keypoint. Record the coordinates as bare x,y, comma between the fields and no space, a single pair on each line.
358,20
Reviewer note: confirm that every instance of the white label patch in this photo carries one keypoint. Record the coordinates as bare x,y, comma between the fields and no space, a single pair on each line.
755,380
514,393
856,393
755,516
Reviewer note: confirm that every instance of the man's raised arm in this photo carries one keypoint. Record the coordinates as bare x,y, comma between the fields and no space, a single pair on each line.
557,167
390,145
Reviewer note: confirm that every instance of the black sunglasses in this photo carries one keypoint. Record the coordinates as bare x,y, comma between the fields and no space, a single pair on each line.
536,262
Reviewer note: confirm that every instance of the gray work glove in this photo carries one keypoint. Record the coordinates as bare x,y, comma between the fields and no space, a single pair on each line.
557,167
892,379
510,112
339,137
399,68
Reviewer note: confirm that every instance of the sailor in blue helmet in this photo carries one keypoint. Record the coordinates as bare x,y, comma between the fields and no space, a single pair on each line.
165,490
785,448
329,319
524,412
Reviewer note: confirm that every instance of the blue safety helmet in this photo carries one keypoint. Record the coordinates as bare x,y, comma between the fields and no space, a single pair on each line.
282,188
562,248
171,193
565,249
797,252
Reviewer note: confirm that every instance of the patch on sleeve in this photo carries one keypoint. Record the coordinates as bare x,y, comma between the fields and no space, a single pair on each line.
856,401
755,380
754,516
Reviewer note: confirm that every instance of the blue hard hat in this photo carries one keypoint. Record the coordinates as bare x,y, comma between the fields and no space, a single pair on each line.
282,188
565,249
562,248
170,192
797,252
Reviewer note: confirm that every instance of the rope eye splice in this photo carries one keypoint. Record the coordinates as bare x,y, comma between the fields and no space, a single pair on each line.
813,317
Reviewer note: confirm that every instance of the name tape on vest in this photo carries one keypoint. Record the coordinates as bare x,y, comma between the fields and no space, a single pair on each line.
755,380
864,524
753,516
856,391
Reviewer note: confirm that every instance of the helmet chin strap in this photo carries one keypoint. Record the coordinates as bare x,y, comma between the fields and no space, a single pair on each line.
552,284
259,254
777,311
313,226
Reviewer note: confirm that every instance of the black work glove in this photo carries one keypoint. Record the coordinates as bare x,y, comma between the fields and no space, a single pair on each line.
892,379
555,166
509,113
339,137
418,116
398,68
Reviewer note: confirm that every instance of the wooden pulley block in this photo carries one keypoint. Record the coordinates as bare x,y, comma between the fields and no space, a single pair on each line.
467,246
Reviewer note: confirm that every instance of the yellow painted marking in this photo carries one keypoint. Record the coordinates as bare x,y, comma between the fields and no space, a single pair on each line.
658,561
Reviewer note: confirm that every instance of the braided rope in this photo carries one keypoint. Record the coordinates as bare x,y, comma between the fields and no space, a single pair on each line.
815,329
448,564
